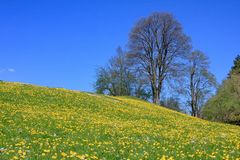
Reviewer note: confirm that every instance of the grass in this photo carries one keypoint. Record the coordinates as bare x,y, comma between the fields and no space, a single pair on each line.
46,123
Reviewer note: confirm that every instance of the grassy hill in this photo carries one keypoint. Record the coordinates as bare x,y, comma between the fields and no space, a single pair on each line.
47,123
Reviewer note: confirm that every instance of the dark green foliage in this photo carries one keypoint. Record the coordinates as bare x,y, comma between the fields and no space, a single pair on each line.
225,105
236,67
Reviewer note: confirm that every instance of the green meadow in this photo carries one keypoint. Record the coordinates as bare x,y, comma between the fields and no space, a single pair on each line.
52,123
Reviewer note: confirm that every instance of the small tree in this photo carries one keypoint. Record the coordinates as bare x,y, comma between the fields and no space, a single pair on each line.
103,84
236,66
119,79
171,103
115,79
199,82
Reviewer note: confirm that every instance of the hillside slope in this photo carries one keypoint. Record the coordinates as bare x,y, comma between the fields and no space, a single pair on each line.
44,123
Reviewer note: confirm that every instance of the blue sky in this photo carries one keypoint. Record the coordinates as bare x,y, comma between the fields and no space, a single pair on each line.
61,43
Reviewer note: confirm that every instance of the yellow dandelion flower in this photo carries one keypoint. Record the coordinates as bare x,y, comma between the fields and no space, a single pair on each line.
46,150
63,154
54,157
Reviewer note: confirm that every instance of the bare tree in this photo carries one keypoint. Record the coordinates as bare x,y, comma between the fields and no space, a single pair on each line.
115,79
199,82
119,79
156,44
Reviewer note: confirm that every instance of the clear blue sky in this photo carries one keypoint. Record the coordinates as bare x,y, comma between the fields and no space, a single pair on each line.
61,43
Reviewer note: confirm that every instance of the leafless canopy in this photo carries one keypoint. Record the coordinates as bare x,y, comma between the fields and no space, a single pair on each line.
157,43
199,81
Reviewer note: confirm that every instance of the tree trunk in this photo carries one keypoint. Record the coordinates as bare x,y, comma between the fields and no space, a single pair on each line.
156,98
194,110
155,94
160,86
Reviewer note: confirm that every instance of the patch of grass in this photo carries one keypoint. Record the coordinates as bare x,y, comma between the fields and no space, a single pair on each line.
44,123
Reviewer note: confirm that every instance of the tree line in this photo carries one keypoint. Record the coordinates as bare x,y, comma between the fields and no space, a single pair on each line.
159,61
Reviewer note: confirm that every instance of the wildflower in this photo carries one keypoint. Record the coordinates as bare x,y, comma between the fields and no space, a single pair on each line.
80,157
46,150
54,157
63,154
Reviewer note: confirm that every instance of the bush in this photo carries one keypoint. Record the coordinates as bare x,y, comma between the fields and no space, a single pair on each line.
225,105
